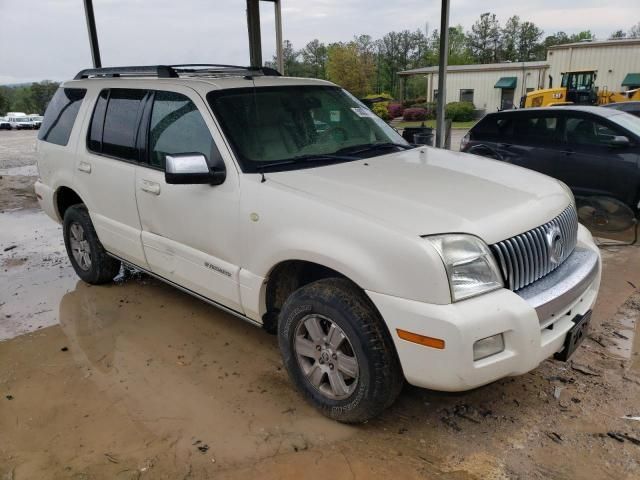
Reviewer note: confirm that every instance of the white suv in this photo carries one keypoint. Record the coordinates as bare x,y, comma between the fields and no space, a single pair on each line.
288,203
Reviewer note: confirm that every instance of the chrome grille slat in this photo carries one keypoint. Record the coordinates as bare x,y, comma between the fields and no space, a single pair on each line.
525,258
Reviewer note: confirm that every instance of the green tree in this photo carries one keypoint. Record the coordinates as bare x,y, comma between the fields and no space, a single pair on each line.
618,34
511,39
292,66
22,100
528,41
41,93
484,38
557,38
4,101
581,36
459,52
398,51
314,58
346,67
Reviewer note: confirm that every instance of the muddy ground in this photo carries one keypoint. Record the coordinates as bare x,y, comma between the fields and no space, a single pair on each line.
137,380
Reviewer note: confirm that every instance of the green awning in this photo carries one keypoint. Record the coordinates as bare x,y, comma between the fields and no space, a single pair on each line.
507,82
631,80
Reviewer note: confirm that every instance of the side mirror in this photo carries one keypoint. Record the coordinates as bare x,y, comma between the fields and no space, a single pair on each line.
191,169
619,141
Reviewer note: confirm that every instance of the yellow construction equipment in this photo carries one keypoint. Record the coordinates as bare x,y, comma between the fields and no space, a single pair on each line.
577,87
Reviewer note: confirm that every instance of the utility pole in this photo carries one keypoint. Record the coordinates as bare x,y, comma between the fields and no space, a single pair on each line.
279,40
255,40
253,26
442,74
93,34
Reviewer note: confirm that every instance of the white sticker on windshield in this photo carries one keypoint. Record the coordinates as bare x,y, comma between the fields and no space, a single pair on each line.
334,116
363,112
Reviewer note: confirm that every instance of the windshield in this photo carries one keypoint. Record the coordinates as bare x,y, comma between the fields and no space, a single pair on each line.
292,124
21,119
628,121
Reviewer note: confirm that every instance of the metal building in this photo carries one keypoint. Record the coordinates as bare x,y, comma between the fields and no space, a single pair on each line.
489,86
501,85
617,62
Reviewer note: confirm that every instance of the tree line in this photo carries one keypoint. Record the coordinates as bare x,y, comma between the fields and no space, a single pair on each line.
32,98
366,65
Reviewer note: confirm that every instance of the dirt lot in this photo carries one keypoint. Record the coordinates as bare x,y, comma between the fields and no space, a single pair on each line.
137,380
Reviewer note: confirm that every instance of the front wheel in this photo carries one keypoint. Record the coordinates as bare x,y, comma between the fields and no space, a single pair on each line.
338,352
87,255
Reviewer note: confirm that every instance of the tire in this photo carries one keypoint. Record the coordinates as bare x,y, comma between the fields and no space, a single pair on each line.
315,359
87,255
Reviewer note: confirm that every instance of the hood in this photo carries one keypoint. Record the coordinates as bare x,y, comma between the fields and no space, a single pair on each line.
428,191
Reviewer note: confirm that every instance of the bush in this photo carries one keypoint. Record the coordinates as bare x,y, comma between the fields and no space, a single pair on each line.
430,107
459,111
380,109
414,115
413,101
395,110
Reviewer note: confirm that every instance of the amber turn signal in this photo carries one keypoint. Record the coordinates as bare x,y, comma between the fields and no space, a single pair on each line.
421,339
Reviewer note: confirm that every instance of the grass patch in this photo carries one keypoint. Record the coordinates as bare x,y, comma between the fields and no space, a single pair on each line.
432,124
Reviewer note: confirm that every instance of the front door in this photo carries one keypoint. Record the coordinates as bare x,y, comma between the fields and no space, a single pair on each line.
590,165
189,232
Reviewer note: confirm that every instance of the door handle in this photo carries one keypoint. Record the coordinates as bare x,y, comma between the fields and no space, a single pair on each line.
150,187
505,145
568,152
84,167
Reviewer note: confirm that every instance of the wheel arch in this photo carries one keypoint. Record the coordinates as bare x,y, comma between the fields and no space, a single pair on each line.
65,197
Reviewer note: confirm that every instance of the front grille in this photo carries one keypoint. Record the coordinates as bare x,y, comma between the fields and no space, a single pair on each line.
529,256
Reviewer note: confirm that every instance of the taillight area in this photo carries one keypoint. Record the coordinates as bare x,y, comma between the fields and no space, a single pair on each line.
465,141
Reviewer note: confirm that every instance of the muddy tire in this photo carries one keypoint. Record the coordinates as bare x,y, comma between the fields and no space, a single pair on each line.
338,352
87,255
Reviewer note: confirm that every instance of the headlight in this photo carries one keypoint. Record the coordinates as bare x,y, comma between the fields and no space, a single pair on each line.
470,265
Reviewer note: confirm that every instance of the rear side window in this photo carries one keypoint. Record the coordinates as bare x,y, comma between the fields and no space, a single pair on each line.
114,125
588,132
97,121
494,128
61,115
537,130
177,127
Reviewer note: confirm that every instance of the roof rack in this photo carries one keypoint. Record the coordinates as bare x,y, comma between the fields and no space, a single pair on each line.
176,71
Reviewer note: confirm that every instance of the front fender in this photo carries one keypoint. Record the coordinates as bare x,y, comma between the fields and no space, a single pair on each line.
374,256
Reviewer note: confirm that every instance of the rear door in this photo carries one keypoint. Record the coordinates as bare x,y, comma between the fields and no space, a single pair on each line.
590,165
492,137
190,233
536,141
106,167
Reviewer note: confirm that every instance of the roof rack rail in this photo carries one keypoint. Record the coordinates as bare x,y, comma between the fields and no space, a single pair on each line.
160,71
174,71
205,68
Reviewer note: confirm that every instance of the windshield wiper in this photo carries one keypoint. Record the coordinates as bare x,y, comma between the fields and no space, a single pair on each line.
371,147
321,157
303,159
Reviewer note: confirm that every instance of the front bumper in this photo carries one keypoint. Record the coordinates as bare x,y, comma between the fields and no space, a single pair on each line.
533,321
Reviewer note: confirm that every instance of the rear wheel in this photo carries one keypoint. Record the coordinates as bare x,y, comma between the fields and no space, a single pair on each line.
87,255
338,352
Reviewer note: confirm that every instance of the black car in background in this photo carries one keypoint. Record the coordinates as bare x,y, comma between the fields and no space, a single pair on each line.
630,107
594,150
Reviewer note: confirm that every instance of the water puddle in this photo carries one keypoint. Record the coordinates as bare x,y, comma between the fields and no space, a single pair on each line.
34,272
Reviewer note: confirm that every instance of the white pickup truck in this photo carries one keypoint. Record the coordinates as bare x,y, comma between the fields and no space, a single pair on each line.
374,261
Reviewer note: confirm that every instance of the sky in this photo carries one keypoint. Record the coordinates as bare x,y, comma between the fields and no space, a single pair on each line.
47,39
